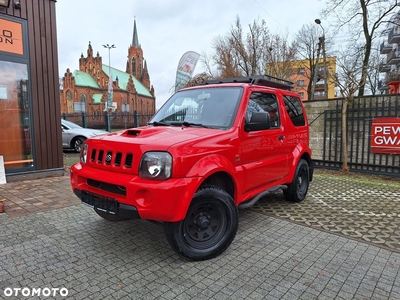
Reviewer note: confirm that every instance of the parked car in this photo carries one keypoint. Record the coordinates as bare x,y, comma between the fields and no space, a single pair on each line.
74,135
208,151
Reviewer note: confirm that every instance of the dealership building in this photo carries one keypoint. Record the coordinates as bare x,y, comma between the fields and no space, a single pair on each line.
30,130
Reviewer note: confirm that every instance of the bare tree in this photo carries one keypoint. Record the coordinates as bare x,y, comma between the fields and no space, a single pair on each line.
199,79
349,81
373,76
363,18
246,54
280,55
309,46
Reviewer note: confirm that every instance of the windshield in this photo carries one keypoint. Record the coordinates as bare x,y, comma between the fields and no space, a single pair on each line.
204,107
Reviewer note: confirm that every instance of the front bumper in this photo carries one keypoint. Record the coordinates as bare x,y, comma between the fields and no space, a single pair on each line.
108,205
135,197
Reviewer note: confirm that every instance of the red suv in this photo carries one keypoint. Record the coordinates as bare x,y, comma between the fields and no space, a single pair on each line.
208,151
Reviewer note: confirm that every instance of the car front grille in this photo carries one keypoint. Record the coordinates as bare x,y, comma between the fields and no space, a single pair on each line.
110,158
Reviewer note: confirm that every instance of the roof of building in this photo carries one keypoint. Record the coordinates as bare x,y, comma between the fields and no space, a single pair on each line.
123,79
84,79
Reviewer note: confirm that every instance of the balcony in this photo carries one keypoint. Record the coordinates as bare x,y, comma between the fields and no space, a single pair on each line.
384,67
393,58
394,36
385,48
392,77
320,86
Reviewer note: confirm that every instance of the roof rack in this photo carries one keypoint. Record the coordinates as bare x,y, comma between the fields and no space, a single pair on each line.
264,80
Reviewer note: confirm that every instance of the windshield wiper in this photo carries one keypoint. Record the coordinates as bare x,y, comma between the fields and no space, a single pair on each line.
188,124
158,123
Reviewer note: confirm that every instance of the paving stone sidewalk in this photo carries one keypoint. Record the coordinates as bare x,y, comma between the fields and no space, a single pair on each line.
277,253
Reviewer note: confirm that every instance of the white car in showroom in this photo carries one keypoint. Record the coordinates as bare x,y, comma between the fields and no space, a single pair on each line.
74,135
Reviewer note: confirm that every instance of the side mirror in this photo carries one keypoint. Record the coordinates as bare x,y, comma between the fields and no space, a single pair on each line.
258,121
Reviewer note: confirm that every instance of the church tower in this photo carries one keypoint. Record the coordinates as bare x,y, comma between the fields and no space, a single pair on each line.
136,64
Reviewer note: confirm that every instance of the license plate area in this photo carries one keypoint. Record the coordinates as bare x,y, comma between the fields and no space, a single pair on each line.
106,204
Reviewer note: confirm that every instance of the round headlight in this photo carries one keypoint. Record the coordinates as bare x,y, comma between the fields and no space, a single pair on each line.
156,165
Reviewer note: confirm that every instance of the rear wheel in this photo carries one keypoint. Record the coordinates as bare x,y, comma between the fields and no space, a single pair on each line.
209,227
297,190
109,217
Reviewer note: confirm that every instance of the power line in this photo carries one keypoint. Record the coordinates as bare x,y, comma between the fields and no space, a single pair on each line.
268,14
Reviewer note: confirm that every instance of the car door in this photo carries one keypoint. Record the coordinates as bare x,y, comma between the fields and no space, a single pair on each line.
262,153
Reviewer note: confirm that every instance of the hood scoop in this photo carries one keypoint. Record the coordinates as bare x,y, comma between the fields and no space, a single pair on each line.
132,132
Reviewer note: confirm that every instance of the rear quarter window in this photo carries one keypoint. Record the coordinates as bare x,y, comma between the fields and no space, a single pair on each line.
294,110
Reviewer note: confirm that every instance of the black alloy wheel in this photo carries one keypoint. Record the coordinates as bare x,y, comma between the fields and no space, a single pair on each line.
209,227
297,190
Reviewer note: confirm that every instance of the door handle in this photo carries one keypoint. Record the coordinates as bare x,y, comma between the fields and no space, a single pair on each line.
281,138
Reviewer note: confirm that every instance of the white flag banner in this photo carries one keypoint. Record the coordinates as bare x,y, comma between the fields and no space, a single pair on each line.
185,69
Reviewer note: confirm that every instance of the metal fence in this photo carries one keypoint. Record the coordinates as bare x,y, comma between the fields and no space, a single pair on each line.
360,114
100,121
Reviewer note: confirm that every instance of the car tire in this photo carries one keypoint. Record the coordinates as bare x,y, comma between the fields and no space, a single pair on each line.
77,143
297,190
109,217
209,227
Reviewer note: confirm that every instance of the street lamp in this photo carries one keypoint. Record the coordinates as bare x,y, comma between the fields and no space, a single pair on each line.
318,21
110,91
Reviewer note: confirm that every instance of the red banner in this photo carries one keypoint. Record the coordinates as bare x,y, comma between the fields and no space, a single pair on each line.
385,135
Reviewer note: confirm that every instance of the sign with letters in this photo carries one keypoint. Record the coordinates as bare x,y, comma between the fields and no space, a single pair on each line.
385,136
11,39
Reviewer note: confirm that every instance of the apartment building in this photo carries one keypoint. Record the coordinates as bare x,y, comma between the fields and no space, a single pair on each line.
299,72
390,64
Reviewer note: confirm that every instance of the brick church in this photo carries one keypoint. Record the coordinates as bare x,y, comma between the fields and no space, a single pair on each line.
86,90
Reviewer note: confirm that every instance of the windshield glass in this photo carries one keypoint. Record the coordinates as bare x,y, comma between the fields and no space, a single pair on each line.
206,107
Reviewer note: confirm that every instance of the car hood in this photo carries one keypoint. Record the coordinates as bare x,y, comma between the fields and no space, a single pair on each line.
159,137
86,131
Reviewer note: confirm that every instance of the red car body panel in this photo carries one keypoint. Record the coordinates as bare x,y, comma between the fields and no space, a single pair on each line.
253,161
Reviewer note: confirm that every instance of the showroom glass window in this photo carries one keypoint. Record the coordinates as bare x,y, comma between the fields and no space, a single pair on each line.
15,104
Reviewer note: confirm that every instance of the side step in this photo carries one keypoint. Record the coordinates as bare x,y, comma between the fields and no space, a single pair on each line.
254,200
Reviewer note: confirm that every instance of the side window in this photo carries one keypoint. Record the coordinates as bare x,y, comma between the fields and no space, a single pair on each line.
294,110
266,102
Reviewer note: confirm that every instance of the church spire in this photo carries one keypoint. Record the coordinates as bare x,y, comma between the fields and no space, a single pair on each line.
135,39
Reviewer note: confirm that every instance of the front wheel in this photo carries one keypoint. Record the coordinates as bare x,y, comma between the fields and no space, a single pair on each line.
77,144
297,190
209,227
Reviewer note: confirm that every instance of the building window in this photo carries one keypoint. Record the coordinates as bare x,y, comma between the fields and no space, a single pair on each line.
15,120
301,71
80,106
319,94
301,95
300,82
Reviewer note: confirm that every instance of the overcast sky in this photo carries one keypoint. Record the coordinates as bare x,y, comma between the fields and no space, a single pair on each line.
166,29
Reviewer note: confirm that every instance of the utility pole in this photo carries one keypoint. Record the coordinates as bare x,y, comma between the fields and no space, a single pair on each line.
314,79
110,92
